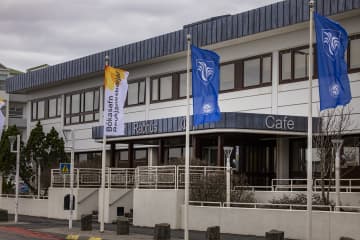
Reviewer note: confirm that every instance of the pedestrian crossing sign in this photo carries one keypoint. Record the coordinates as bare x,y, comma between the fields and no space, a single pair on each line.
65,168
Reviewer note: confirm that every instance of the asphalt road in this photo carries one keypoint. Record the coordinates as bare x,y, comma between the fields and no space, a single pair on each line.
36,224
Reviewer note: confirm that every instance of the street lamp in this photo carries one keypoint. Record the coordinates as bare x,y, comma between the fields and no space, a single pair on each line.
38,159
337,143
17,151
69,136
227,152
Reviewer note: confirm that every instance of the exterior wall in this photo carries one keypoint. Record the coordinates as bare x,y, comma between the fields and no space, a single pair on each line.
27,206
158,206
286,99
326,225
114,198
56,202
120,198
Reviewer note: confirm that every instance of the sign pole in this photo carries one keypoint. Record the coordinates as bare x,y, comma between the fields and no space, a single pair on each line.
187,143
309,138
103,161
71,202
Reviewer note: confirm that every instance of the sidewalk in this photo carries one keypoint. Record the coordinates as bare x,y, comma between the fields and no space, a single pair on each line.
107,235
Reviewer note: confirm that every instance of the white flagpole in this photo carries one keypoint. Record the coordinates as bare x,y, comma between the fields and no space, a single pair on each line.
187,143
103,161
309,138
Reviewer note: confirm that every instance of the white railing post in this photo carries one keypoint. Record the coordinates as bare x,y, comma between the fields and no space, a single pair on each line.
109,178
52,178
156,178
350,185
126,178
78,177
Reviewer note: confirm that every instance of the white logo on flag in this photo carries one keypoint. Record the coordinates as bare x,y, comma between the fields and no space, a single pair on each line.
207,108
331,42
205,70
334,90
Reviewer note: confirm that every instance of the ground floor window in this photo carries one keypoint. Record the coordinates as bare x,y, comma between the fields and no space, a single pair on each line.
88,160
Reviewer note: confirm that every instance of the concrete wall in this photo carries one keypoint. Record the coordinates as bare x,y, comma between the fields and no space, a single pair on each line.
326,225
347,198
113,199
158,206
56,202
27,206
120,198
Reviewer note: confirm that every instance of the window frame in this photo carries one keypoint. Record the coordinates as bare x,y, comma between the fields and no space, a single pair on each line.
348,56
82,113
261,84
174,83
138,81
46,108
292,64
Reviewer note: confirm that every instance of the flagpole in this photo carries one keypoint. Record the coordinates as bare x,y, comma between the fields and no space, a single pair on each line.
187,143
103,161
309,138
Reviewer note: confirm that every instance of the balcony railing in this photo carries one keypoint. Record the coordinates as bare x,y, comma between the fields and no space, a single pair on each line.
173,177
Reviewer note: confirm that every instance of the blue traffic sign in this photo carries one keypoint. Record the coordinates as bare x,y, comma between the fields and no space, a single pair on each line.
65,167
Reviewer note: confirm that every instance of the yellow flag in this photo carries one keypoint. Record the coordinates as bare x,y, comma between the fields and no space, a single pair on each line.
116,86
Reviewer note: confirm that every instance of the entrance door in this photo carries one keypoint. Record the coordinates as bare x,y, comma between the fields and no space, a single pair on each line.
257,163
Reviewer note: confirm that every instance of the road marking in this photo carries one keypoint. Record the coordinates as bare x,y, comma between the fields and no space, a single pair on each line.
95,238
28,233
72,237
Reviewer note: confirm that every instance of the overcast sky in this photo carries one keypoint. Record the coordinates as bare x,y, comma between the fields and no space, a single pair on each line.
35,32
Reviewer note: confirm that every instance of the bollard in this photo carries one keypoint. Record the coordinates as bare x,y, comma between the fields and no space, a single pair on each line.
86,222
213,233
274,235
122,226
162,231
4,215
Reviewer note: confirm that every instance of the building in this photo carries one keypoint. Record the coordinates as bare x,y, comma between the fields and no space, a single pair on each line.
263,98
263,82
15,112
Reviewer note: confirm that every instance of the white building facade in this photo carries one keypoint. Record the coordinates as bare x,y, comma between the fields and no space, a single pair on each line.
263,54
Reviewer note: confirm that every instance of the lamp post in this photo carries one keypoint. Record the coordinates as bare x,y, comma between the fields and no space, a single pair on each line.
38,177
337,143
227,152
17,151
69,136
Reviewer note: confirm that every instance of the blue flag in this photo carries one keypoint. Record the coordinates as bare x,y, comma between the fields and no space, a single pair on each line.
205,85
331,42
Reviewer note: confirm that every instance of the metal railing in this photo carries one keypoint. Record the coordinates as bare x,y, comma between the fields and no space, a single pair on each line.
346,185
162,177
290,207
91,177
198,172
23,196
173,177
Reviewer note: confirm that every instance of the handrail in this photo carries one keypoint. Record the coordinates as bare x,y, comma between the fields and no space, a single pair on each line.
23,196
121,197
88,196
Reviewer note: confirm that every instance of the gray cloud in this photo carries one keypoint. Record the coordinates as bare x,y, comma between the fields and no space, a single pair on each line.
49,31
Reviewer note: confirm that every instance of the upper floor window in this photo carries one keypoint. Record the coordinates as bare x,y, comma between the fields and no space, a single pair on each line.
182,84
82,106
162,88
246,73
294,64
16,110
236,75
136,93
46,108
353,53
257,71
